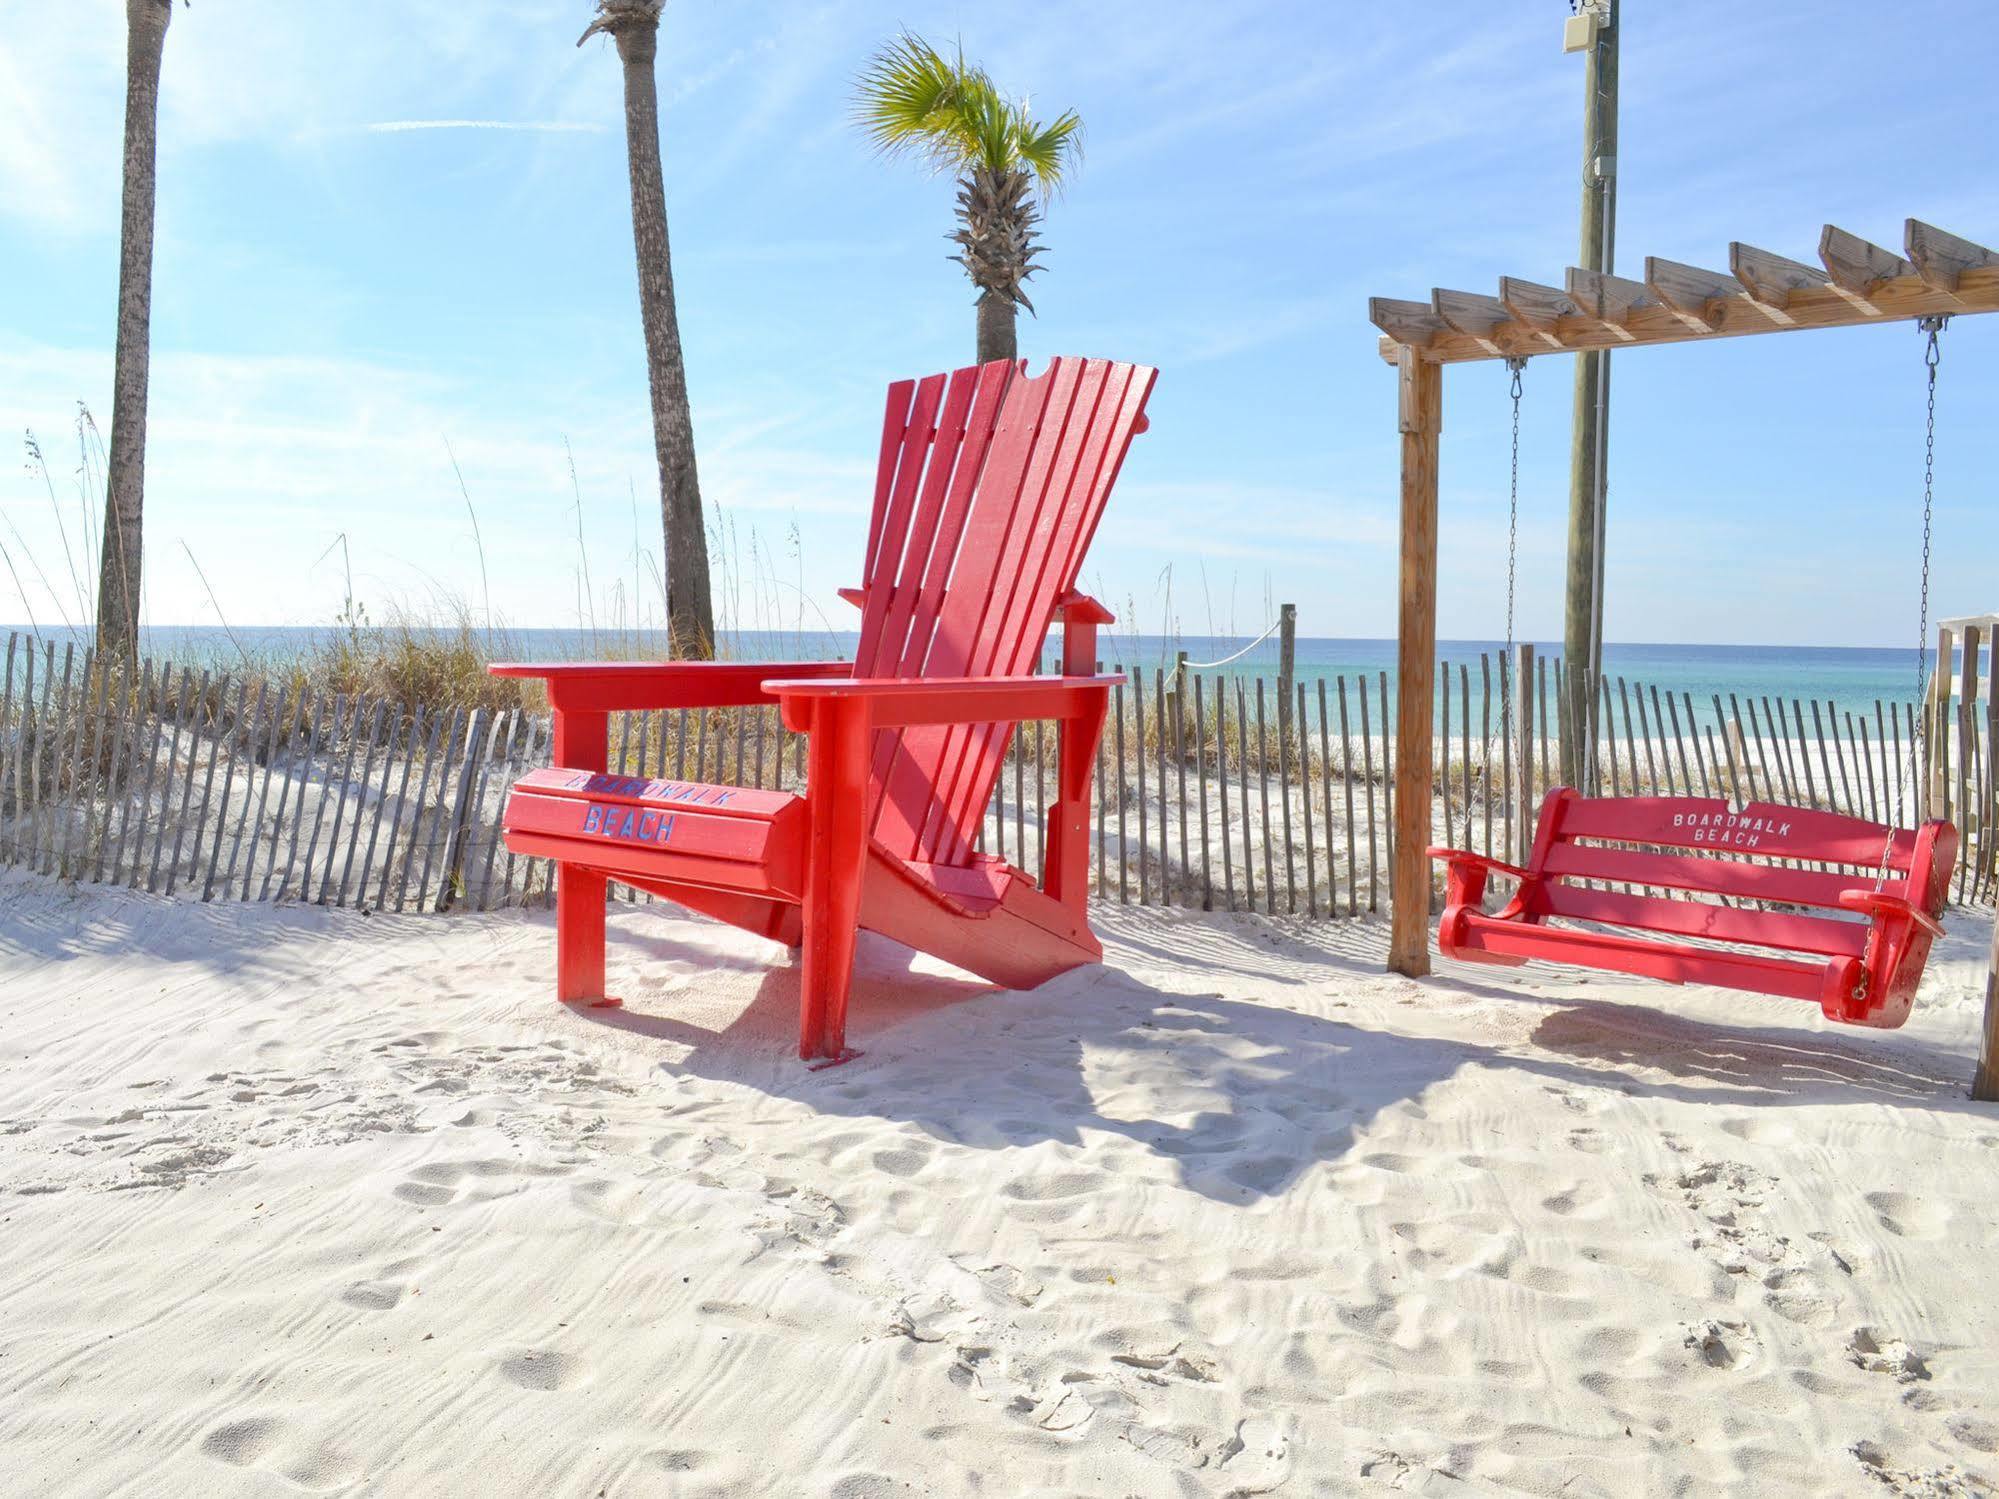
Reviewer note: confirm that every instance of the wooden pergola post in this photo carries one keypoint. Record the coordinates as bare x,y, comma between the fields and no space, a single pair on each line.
1420,418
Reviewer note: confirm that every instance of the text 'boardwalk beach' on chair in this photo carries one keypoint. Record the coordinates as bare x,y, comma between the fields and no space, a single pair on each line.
989,489
1774,900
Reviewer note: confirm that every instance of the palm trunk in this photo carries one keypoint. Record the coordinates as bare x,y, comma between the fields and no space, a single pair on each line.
125,493
996,328
690,611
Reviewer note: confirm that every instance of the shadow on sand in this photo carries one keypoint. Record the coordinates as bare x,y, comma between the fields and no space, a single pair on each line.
1275,1089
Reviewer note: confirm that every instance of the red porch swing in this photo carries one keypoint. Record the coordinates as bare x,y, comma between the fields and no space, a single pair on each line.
1764,898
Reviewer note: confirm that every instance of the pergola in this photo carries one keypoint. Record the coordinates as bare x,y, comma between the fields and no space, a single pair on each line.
1855,284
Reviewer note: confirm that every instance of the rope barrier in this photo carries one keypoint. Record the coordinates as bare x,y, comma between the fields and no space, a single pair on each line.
1210,665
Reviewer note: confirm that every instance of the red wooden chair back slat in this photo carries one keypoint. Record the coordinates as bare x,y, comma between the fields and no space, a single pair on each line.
998,484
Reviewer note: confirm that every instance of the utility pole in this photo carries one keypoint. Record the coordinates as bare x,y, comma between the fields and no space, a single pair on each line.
1593,30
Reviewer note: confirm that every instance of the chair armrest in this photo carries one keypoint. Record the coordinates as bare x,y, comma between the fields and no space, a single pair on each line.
1880,903
1078,608
858,597
1480,861
905,702
608,686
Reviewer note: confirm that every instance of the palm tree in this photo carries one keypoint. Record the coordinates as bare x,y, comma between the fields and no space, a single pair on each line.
912,101
125,489
634,26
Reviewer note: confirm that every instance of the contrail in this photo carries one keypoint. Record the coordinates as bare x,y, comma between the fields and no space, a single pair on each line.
390,127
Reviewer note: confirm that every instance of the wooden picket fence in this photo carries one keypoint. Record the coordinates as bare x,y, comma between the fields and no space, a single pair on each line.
1244,793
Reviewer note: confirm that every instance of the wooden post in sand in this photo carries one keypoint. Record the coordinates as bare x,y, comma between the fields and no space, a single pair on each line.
1985,1082
1420,384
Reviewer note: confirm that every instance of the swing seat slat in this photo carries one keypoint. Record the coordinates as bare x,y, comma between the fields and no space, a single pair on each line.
1731,881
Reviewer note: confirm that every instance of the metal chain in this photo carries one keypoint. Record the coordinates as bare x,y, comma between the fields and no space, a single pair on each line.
1919,737
1515,364
1932,355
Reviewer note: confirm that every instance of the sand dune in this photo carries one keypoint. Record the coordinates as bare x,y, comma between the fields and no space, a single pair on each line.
297,1200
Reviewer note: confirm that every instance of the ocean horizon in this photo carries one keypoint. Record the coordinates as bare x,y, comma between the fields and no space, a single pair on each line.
1853,678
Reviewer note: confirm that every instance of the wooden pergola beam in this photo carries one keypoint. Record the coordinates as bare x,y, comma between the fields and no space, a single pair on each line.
1941,259
1772,279
1607,298
1858,284
1854,265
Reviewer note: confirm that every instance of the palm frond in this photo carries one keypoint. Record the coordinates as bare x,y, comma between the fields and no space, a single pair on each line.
1050,150
906,102
913,100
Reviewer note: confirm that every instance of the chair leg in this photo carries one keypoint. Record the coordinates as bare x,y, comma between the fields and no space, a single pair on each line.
836,857
579,936
580,743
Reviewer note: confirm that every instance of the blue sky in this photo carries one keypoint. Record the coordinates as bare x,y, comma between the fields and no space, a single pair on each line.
336,301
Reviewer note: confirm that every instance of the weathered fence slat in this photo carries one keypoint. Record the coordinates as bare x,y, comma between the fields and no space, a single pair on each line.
1201,787
1263,800
338,793
1222,783
471,772
412,748
215,746
238,729
55,822
146,708
510,727
447,756
1367,773
1305,801
299,719
1326,803
315,735
1242,785
346,714
398,724
329,884
108,851
179,707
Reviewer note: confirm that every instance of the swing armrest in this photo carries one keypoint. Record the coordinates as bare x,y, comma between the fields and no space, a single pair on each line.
1460,856
1880,903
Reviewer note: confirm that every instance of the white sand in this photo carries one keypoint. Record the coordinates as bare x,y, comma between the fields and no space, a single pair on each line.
310,1200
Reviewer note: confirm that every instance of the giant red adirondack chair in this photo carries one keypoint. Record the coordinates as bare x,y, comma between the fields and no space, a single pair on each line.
989,489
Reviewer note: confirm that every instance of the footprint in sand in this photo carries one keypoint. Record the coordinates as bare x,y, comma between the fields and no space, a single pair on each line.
424,1194
1798,1295
679,1459
440,1182
1910,1217
1979,1435
543,1369
1720,1344
1257,1458
266,1442
374,1295
904,1162
1053,1186
1877,1352
1759,1131
1577,1200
